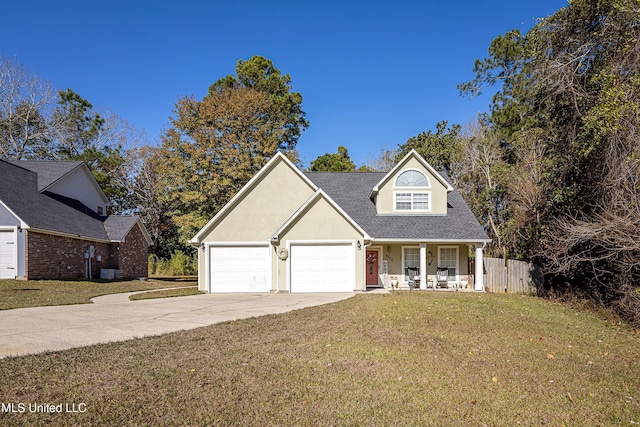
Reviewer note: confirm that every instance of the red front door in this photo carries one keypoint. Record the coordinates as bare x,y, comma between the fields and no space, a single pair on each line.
372,268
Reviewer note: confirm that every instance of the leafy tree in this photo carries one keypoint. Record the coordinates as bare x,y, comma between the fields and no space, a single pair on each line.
217,145
567,113
141,175
508,64
75,124
260,74
439,148
80,133
366,168
336,162
227,137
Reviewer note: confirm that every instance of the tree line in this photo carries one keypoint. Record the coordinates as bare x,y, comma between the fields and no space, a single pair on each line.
552,169
212,147
565,126
41,123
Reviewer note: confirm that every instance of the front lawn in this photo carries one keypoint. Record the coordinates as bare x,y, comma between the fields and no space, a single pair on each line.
38,293
419,358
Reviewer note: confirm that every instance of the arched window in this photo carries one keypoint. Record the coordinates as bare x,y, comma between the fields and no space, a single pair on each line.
412,178
412,194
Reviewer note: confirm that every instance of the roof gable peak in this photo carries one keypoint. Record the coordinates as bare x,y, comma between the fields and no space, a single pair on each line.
279,157
318,194
413,154
50,173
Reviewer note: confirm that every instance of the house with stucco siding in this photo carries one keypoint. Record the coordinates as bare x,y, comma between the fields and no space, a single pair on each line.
293,231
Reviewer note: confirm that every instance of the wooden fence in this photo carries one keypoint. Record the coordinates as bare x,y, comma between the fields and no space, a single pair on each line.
518,277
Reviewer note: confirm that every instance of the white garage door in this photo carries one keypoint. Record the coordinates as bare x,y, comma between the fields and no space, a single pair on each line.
322,268
7,255
239,269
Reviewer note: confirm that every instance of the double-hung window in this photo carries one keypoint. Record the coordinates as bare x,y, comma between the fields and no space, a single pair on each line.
412,201
448,258
412,193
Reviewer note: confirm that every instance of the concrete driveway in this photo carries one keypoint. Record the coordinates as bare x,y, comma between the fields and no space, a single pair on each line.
115,318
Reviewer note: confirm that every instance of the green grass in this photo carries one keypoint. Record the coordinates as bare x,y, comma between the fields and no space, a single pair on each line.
167,293
38,293
418,358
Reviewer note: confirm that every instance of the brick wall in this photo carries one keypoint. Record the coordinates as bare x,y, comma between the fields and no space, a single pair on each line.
56,257
132,254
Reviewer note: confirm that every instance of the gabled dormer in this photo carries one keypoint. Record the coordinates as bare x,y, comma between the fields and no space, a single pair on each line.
412,187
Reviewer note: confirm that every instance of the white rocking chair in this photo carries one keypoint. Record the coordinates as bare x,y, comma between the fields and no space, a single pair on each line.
442,275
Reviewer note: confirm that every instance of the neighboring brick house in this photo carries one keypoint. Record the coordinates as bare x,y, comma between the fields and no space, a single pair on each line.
53,225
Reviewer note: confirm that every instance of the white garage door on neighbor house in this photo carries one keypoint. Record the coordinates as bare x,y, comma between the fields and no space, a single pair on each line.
7,254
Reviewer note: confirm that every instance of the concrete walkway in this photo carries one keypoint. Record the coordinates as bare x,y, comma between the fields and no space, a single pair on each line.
116,318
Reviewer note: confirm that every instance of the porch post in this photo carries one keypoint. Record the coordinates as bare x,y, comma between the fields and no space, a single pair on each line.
423,266
479,278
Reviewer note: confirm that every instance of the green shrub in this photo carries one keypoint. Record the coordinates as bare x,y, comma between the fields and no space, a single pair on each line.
180,264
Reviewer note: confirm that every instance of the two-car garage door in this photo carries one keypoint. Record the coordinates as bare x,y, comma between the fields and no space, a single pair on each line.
313,267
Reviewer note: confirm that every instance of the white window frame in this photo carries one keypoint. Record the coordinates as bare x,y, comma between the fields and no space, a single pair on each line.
403,266
395,183
457,262
412,201
412,191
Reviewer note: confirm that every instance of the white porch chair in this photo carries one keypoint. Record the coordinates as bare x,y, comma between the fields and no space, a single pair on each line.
442,275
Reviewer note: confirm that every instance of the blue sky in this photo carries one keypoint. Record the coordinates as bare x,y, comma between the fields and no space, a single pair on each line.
372,73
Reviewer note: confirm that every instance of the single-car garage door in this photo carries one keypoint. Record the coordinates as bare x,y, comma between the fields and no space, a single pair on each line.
7,254
322,268
239,269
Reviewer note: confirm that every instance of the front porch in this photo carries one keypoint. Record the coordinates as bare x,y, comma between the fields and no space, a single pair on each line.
445,266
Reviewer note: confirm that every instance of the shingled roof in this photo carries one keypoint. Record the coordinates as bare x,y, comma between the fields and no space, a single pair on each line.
118,226
351,191
20,191
48,171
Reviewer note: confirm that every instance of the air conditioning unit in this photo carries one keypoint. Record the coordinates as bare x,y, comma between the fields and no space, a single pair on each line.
107,273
